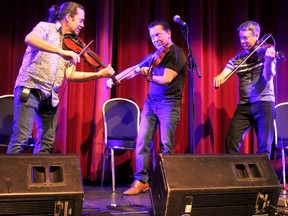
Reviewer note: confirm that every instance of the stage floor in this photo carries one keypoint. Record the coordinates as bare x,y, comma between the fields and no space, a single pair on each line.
100,201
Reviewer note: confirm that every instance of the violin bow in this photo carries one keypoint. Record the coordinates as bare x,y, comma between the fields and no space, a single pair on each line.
261,42
147,58
85,48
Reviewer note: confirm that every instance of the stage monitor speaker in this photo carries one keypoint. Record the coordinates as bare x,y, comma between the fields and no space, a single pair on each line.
222,185
40,185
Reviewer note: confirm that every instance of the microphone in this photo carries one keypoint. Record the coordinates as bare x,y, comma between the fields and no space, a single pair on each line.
178,20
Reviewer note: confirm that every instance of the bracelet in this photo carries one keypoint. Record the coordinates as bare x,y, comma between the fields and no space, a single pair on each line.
137,69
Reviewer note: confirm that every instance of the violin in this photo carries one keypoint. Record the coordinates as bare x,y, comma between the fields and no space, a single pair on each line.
157,58
258,52
154,58
76,44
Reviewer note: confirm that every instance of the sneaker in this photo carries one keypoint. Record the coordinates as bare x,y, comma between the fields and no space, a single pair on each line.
136,188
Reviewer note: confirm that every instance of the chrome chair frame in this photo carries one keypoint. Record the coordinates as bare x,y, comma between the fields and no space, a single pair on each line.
279,140
8,132
113,147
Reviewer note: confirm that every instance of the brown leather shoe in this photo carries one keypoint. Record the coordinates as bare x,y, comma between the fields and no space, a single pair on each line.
136,188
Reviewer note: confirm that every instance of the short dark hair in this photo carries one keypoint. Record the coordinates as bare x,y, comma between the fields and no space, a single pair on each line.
164,24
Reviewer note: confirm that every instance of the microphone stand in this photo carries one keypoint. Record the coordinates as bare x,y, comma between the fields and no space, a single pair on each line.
192,65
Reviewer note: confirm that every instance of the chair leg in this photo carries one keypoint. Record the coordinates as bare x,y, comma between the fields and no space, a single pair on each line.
103,166
113,169
283,167
275,158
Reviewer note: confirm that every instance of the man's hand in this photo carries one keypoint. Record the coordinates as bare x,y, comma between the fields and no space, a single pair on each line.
270,55
71,56
218,80
106,72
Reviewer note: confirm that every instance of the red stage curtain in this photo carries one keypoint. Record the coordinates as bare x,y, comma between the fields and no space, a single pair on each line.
119,29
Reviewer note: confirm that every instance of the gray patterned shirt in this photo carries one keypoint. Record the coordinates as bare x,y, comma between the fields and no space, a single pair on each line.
44,70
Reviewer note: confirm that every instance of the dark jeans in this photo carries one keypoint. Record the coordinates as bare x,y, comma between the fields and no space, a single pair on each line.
259,115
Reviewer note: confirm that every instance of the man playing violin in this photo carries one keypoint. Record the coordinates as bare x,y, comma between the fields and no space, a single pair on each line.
45,63
162,104
256,90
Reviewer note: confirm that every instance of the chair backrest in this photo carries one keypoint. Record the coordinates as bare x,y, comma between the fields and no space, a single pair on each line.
6,115
121,118
281,122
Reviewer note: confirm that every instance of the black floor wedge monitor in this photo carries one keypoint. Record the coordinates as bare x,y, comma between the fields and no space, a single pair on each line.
222,185
40,185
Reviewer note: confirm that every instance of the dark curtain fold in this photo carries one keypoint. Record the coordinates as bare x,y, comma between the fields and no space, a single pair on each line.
119,31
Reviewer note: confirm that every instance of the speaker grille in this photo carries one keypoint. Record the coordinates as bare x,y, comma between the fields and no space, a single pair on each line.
222,185
40,185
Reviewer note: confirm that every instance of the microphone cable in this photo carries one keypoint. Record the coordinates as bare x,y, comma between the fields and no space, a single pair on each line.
127,207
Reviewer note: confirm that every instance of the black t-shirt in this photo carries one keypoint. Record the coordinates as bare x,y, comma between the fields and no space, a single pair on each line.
175,60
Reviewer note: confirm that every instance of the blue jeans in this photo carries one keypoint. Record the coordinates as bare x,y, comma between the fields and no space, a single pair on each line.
259,115
25,114
164,113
